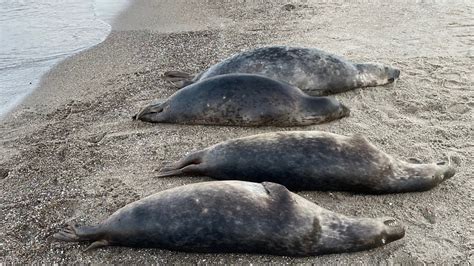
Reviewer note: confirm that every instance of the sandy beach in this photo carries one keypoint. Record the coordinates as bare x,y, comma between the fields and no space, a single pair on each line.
71,152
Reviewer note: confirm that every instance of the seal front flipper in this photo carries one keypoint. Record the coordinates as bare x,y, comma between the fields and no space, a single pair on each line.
191,164
278,192
97,244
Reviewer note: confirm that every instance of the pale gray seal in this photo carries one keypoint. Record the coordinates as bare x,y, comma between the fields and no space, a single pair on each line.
235,216
311,160
313,71
243,100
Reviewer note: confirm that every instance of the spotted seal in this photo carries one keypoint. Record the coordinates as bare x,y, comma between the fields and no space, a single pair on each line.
243,100
235,216
314,71
311,160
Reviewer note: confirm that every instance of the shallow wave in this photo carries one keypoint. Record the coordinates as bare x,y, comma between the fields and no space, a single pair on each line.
36,35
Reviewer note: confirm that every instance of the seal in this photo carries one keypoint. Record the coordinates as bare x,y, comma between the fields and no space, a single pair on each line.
235,216
311,160
243,100
314,71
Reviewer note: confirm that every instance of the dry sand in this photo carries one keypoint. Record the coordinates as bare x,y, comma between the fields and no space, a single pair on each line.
72,153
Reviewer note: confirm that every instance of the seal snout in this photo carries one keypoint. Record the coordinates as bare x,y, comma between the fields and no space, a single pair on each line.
393,74
394,230
449,172
345,111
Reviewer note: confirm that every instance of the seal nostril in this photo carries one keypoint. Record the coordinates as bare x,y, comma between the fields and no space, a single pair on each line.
391,80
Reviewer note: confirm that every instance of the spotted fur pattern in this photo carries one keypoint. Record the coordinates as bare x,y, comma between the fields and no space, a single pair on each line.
235,216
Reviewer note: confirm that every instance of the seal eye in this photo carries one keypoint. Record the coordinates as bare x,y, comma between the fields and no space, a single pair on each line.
391,80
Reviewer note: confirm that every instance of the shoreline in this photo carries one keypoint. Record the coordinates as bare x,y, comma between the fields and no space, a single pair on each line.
73,154
57,37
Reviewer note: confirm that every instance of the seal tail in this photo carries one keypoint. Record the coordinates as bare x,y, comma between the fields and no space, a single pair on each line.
178,78
191,164
73,233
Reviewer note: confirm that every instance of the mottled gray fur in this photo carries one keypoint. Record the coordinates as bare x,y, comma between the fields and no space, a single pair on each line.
235,216
243,100
311,160
313,71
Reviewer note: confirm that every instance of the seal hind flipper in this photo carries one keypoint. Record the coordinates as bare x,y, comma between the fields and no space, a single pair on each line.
73,233
178,78
191,164
157,107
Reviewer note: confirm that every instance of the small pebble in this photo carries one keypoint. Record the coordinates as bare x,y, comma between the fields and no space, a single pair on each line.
4,173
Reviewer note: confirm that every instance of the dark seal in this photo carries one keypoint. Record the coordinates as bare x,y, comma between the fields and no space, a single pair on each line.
235,216
311,160
243,100
313,71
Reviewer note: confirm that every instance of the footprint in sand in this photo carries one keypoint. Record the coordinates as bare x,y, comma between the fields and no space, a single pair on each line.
429,214
459,108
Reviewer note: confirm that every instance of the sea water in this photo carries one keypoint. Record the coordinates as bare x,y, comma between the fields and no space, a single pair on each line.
37,34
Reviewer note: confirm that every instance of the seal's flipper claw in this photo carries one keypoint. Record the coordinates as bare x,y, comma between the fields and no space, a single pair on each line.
67,234
97,244
168,167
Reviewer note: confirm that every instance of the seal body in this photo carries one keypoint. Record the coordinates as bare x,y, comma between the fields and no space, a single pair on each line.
311,160
313,71
236,216
243,100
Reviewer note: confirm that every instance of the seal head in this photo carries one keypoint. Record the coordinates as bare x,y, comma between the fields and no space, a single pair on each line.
375,75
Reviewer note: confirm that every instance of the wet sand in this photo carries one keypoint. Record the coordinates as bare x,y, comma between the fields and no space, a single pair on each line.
71,152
